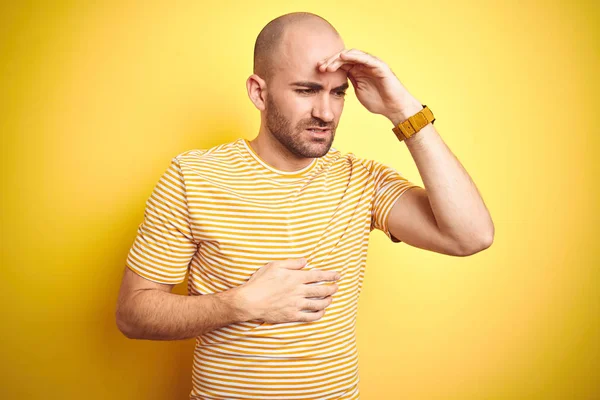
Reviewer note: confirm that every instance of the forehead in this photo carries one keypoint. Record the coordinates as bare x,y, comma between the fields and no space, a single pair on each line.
302,48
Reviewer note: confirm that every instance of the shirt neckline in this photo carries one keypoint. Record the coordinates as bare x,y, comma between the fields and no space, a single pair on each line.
290,174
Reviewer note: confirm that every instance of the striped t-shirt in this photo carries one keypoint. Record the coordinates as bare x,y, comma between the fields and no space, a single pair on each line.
221,214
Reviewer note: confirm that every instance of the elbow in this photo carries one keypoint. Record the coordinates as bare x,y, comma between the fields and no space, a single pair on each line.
122,328
476,246
124,325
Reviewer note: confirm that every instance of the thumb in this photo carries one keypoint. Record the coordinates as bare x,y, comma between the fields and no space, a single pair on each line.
294,263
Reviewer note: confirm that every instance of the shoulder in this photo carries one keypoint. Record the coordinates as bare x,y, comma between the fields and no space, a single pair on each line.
335,156
215,151
224,152
358,163
349,164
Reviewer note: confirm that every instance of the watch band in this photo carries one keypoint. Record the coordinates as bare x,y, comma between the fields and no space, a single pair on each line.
414,124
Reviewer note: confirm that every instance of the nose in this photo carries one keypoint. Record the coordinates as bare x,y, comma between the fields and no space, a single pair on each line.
322,108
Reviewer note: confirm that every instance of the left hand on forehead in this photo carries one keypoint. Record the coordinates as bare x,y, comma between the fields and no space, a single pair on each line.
375,85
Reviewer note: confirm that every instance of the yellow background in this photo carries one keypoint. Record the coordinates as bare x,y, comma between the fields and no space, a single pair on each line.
97,98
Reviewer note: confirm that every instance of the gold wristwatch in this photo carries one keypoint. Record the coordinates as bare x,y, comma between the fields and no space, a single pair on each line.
413,124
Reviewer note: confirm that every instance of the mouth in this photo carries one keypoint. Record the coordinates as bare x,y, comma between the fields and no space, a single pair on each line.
318,130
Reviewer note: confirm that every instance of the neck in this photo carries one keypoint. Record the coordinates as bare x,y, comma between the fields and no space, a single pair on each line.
271,151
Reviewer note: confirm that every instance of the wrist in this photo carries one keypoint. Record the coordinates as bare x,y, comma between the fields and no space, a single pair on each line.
239,304
404,113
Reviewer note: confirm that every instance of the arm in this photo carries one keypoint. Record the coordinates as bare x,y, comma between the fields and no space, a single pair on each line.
449,215
148,310
454,217
159,259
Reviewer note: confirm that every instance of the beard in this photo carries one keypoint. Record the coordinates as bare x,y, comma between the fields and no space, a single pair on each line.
297,141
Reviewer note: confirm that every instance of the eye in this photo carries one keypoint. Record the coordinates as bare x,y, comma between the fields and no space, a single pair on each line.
340,93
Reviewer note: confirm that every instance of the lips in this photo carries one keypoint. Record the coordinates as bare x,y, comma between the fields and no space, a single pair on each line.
318,130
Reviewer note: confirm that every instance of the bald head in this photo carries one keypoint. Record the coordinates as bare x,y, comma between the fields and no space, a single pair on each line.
271,39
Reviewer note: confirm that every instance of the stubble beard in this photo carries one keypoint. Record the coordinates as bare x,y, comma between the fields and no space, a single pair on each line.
296,141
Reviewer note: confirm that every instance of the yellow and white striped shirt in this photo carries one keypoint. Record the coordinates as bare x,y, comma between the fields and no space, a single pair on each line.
221,214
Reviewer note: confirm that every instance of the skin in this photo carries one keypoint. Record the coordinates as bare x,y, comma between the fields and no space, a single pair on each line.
448,216
148,310
287,110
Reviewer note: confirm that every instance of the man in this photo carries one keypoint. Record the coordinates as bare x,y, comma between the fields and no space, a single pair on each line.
275,230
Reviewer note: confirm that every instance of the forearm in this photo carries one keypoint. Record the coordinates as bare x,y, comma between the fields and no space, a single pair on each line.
158,315
455,201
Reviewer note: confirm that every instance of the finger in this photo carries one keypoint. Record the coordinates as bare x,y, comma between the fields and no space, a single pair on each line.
318,276
317,305
320,291
309,316
338,56
360,57
323,67
344,64
293,263
324,63
331,58
352,56
351,77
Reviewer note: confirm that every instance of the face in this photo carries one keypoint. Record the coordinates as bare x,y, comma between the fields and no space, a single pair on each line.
302,97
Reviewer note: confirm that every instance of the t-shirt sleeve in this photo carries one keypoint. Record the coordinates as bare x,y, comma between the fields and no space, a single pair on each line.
164,245
389,186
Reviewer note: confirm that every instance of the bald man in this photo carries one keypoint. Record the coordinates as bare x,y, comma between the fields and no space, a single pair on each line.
285,55
273,232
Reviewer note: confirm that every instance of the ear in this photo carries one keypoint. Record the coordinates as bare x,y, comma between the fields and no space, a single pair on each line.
256,87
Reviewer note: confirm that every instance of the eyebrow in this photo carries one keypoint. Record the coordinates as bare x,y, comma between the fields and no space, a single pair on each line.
318,86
